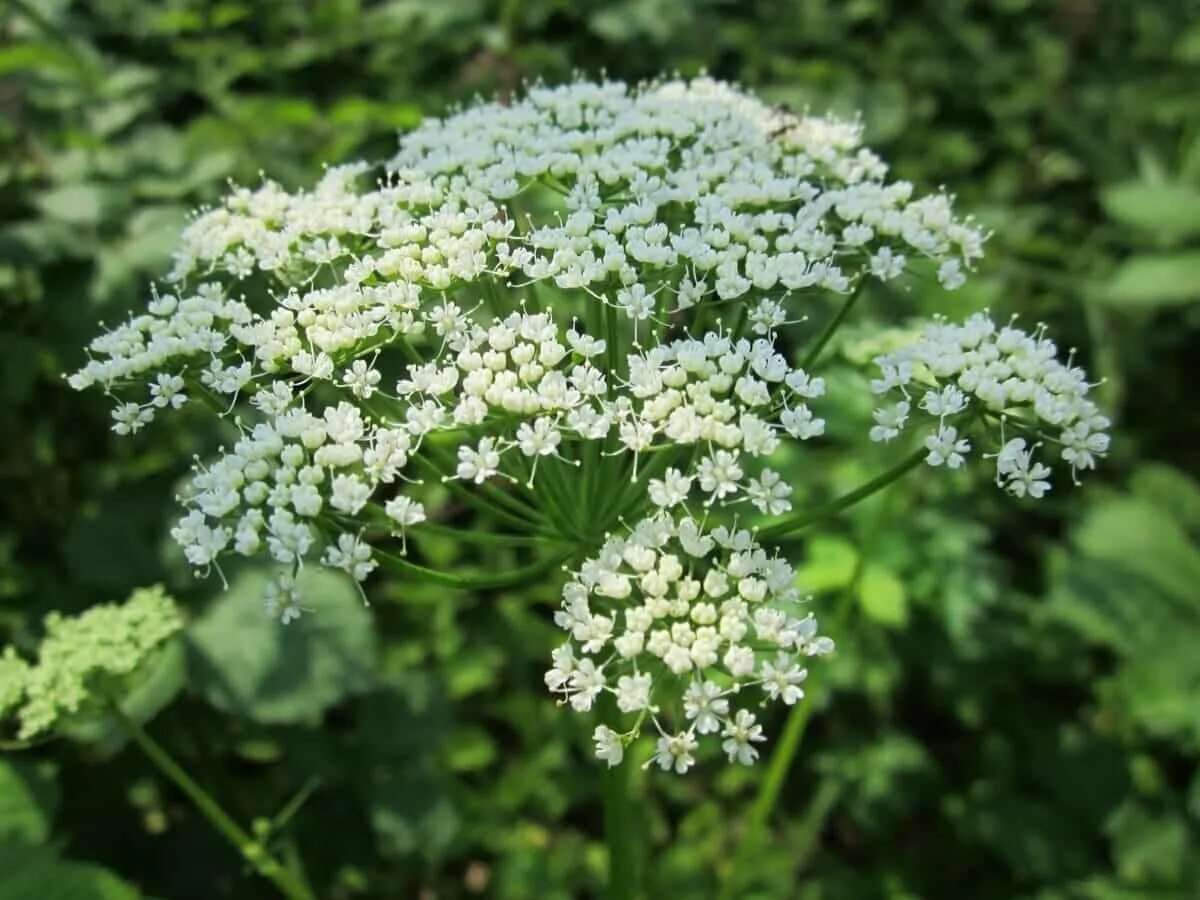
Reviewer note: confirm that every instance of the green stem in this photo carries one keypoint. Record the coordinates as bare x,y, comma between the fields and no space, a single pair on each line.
769,789
852,298
481,537
623,869
251,850
786,526
797,721
473,500
612,334
472,582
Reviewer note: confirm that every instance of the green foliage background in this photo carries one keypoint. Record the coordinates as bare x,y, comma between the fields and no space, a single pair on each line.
1014,709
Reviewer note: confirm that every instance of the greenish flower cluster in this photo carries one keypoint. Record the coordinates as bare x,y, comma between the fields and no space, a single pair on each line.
85,659
14,672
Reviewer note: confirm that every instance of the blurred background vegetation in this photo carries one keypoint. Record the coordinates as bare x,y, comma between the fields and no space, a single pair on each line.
1015,706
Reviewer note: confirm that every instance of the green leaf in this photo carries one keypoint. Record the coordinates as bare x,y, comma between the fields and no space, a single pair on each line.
1170,210
471,749
395,758
1150,280
247,663
1149,848
1169,490
29,872
1142,538
883,597
78,204
28,798
830,564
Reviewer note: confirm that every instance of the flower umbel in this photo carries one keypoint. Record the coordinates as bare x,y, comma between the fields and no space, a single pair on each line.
684,627
85,660
570,312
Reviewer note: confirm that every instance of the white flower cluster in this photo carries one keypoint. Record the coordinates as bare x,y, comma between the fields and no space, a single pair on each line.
674,194
675,622
955,372
685,192
597,275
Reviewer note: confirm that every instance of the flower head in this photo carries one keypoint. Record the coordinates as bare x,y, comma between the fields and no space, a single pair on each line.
85,661
687,626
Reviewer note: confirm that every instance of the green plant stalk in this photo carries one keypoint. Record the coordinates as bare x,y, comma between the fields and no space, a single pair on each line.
251,850
811,357
475,501
785,526
612,350
435,529
472,582
623,869
768,790
555,492
797,722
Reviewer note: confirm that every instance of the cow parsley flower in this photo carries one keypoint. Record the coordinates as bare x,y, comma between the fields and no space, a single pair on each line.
569,311
681,623
1004,376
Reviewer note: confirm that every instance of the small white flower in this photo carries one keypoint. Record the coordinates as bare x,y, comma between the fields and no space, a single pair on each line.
609,746
945,447
282,599
480,463
741,733
633,692
782,678
889,421
675,752
705,703
769,493
671,490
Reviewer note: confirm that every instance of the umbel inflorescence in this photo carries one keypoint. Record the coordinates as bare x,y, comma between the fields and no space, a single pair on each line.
85,662
576,312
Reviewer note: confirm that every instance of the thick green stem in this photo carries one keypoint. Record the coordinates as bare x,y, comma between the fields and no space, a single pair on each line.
811,357
251,850
624,870
768,791
786,526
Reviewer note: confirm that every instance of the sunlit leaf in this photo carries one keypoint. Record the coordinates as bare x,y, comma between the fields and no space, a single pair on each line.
246,663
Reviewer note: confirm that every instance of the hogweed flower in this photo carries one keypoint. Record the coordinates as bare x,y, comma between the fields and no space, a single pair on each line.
571,311
680,624
1004,374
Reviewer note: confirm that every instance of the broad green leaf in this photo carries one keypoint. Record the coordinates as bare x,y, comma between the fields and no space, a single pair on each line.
883,597
830,565
28,798
1144,539
79,204
28,872
247,663
1169,210
1150,280
1158,684
1169,490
